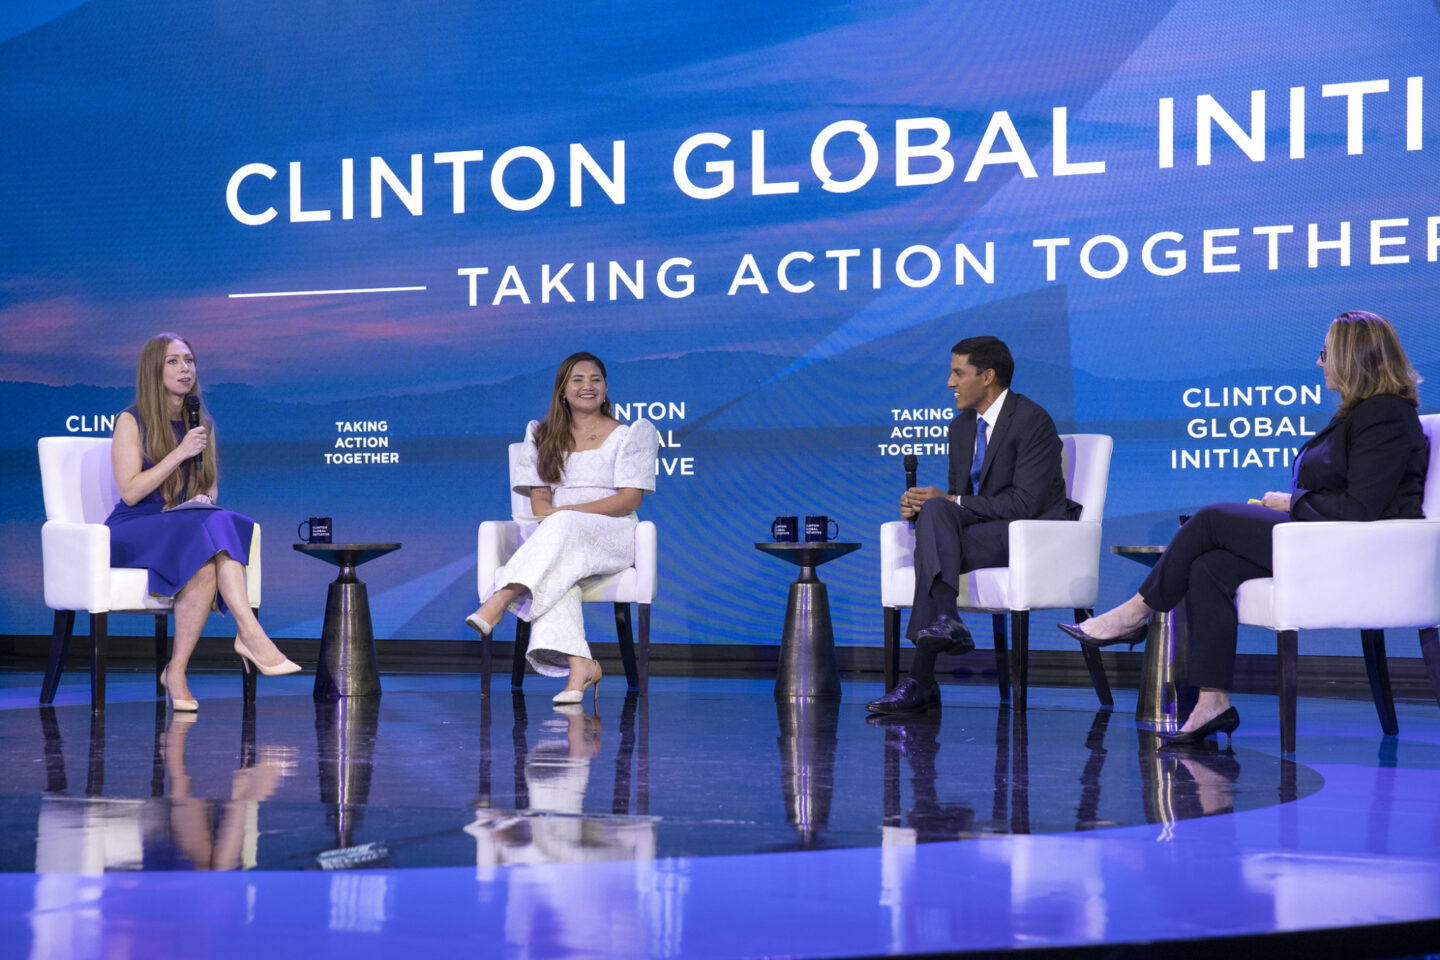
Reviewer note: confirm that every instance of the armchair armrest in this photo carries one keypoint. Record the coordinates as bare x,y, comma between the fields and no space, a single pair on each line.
76,561
1345,574
646,559
897,563
252,570
498,541
1054,564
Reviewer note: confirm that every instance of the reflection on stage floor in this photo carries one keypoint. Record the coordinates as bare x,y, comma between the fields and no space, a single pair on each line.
444,778
654,821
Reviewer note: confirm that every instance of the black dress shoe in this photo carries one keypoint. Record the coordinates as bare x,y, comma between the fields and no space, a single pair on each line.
909,696
1134,637
950,629
1225,723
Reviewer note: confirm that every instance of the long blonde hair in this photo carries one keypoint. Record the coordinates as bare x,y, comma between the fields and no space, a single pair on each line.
553,437
1365,359
154,414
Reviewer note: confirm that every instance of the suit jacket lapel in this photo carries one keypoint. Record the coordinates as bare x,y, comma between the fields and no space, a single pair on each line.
1309,445
1334,422
1002,426
965,456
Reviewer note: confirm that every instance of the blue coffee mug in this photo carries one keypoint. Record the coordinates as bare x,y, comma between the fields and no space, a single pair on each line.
317,530
817,529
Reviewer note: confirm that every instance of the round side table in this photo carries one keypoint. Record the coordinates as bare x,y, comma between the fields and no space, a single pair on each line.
807,647
347,666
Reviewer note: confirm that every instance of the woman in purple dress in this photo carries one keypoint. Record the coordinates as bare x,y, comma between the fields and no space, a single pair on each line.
167,520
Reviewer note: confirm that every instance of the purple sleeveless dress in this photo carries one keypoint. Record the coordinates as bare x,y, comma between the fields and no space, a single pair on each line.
174,544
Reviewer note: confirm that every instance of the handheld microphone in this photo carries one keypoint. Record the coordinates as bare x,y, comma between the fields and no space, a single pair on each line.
912,463
192,417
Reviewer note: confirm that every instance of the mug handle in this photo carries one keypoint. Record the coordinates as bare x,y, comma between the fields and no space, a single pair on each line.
306,535
836,534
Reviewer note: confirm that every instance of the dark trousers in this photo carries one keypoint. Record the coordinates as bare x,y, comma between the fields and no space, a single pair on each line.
1219,548
950,541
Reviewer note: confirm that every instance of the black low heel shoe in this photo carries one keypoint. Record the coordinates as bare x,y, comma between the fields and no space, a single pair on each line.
1134,637
1225,723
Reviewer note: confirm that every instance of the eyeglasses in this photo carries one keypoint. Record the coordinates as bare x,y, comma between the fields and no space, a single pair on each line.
1322,354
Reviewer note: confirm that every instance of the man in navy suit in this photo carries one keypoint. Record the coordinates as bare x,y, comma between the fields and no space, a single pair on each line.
1004,465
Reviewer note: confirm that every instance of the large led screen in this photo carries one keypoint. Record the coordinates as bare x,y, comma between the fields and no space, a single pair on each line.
383,225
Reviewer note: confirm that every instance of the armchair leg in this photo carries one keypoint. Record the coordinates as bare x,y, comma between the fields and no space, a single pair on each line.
1002,655
891,654
1373,643
1093,663
59,647
627,644
1285,650
1430,650
522,644
99,648
643,664
248,677
162,649
1020,657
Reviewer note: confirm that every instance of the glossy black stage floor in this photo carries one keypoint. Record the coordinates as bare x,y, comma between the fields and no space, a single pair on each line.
704,819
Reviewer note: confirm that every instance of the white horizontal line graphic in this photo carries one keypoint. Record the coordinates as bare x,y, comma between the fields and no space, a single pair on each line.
321,293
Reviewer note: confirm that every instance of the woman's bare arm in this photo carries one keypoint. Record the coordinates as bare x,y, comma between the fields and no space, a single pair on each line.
127,459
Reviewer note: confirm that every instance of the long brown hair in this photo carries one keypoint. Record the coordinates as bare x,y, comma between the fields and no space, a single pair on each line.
553,436
154,412
1364,359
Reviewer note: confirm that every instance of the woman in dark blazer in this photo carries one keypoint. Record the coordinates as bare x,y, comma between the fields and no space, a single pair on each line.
1368,463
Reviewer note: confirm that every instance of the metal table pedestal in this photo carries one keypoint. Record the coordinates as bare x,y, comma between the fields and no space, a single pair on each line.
808,667
347,666
1164,698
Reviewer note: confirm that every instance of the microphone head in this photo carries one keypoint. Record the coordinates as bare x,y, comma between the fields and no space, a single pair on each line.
912,462
192,409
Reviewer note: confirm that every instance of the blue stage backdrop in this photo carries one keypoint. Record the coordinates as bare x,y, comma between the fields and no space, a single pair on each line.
772,221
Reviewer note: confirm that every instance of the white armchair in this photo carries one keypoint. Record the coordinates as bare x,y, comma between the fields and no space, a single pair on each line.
1054,564
1375,576
498,541
79,488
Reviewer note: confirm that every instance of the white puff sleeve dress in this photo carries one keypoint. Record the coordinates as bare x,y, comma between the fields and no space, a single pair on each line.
568,547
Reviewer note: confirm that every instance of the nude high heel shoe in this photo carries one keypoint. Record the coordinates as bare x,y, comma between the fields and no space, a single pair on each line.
279,670
177,704
577,696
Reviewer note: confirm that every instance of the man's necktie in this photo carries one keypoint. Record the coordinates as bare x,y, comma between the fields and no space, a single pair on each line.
981,428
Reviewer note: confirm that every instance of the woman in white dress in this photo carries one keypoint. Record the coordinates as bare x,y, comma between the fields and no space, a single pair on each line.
585,473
